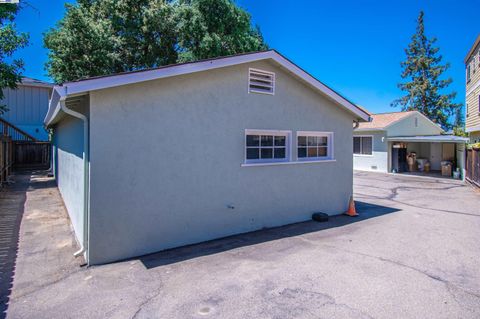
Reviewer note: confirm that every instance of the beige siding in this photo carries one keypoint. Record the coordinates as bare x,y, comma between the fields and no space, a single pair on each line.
473,113
473,90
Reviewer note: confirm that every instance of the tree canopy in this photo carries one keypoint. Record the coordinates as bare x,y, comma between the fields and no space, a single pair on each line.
10,41
99,37
423,70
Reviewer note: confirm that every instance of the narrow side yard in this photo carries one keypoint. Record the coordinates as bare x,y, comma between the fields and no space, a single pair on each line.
413,253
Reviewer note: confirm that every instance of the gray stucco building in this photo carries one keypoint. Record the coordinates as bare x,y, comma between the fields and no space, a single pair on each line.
374,142
151,160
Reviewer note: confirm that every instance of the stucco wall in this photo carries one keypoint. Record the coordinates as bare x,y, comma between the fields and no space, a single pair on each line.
166,161
68,152
378,161
406,127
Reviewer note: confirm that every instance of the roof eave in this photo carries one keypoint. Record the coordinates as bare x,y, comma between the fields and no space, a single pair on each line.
477,41
85,86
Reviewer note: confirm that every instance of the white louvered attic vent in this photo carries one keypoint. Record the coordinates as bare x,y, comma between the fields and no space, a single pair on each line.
260,81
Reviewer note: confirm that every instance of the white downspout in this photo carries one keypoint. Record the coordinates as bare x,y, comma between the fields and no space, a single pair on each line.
86,174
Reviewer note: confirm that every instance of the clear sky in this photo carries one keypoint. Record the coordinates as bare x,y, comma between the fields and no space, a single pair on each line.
353,46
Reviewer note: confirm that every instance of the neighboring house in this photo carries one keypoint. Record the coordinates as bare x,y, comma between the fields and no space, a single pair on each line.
374,142
191,152
27,106
472,97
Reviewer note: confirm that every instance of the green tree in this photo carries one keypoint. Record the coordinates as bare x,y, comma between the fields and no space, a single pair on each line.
10,41
423,70
459,124
99,37
212,28
110,36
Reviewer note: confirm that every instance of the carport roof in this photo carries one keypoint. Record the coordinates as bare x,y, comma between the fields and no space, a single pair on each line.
430,138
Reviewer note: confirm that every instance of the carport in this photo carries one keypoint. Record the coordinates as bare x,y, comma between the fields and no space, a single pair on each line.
433,148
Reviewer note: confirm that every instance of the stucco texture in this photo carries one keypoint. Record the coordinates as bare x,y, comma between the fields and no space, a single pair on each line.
166,161
378,161
68,168
412,125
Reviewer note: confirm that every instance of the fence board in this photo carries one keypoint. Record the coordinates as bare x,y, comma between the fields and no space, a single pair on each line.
473,166
5,158
31,155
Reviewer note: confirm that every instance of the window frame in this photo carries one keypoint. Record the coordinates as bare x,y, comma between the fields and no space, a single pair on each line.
361,154
260,132
330,146
468,73
254,91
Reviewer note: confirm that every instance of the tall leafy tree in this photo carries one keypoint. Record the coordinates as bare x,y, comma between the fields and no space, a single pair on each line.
10,41
423,70
98,37
211,28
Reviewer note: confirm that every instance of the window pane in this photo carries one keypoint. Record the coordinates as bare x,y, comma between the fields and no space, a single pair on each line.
311,140
302,141
253,140
322,140
312,152
253,153
266,153
302,152
356,145
367,145
280,140
279,152
267,140
322,151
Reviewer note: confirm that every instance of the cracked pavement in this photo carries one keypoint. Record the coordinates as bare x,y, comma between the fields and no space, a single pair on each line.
413,253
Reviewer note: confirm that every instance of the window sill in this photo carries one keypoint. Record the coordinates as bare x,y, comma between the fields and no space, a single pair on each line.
286,163
363,155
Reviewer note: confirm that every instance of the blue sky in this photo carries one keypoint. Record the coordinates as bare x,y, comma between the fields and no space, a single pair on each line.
353,46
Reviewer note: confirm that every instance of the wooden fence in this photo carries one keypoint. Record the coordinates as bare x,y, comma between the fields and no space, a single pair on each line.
6,158
473,166
31,155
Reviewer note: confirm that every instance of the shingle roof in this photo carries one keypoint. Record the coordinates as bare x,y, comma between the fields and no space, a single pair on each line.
382,120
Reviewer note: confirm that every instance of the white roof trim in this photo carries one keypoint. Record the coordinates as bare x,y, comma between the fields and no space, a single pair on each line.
85,86
430,138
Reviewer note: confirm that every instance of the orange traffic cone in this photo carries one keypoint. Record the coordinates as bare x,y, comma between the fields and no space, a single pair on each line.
351,208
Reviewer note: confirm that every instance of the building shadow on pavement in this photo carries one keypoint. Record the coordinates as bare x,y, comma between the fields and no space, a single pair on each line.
12,204
171,256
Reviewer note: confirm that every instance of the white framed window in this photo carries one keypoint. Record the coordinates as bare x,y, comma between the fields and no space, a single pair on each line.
260,81
468,72
267,146
363,145
314,146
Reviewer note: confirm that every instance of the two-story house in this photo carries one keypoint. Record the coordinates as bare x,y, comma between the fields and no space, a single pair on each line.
472,106
27,106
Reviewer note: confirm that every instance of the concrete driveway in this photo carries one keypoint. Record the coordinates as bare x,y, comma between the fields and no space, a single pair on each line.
413,253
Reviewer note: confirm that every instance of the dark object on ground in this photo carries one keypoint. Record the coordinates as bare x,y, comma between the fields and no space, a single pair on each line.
320,217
